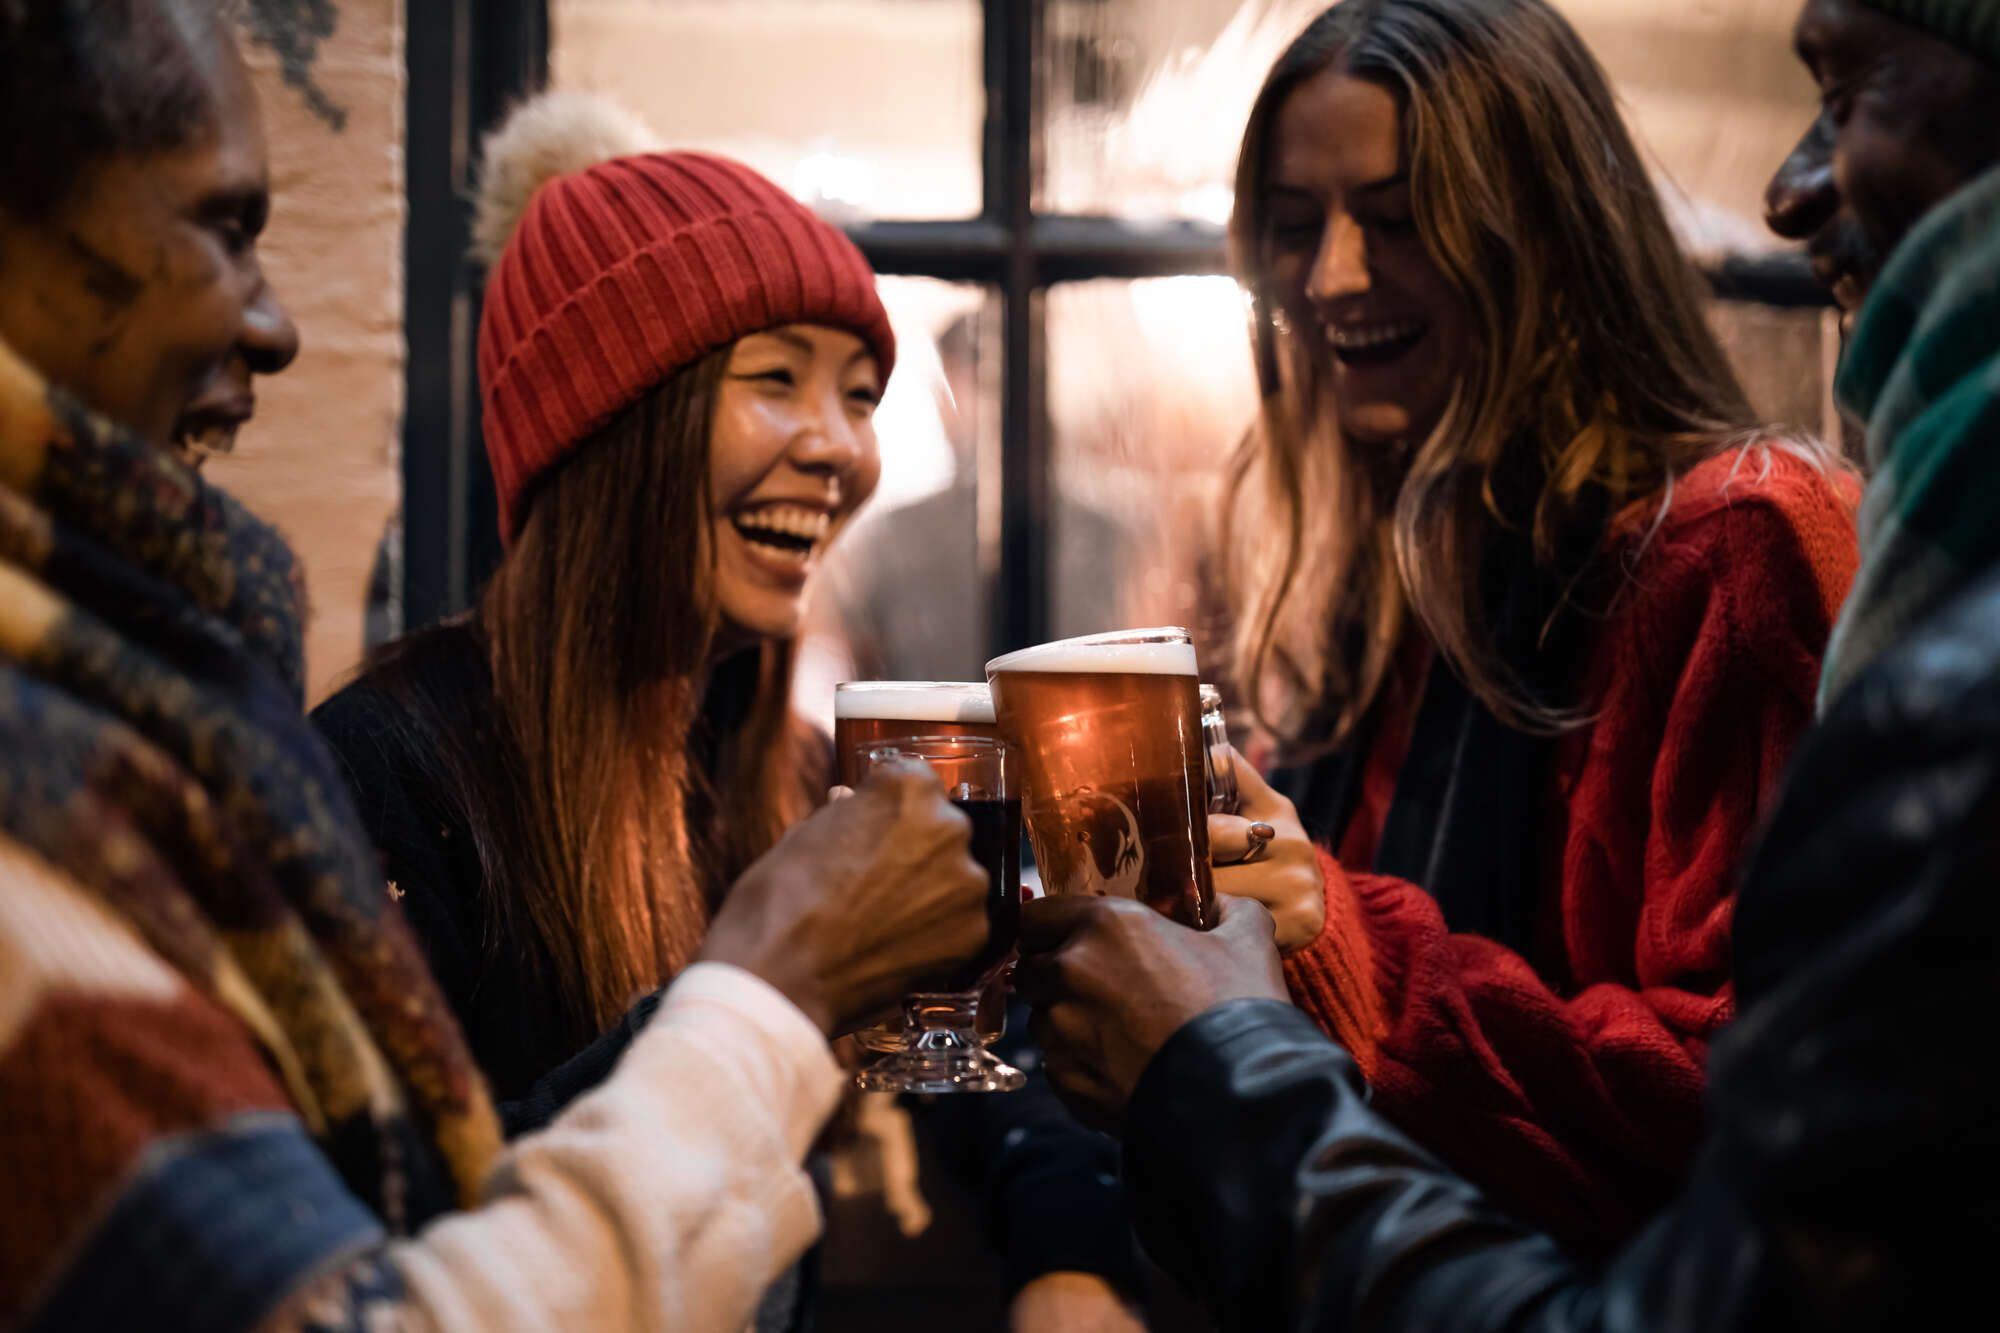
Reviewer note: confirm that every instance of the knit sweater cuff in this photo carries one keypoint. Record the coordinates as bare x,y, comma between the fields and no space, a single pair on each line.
1333,978
804,1080
669,1197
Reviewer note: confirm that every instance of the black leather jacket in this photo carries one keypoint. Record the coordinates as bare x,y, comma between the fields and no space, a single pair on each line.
1850,1178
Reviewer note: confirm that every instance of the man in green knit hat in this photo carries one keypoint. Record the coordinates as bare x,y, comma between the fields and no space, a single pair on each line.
1931,65
1910,117
1850,1176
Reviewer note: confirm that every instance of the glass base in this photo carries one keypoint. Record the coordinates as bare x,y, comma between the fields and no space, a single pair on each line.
941,1051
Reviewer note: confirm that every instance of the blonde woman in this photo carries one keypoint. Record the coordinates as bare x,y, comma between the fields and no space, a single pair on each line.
1530,604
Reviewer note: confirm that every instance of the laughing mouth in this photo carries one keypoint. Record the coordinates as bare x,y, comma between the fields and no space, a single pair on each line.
1374,344
1845,263
198,439
789,532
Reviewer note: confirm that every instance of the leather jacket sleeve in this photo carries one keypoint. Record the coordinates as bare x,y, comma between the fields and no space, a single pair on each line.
1266,1186
1264,1183
1847,1177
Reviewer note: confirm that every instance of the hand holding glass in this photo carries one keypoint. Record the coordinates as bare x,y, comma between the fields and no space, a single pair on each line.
1109,729
941,1048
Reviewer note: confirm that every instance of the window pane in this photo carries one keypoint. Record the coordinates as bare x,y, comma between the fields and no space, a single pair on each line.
863,108
902,596
1150,388
1145,103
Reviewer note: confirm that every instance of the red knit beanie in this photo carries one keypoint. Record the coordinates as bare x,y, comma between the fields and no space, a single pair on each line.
618,275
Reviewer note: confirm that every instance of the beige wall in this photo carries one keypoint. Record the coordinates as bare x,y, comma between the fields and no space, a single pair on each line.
1715,95
320,460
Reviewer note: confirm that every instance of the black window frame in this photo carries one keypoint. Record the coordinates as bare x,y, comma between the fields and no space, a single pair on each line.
470,59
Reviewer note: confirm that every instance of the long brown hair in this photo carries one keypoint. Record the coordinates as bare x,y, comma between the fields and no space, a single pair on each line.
619,785
1594,379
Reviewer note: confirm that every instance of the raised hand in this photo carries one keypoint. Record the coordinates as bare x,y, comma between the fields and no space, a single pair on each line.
1111,980
1285,876
860,903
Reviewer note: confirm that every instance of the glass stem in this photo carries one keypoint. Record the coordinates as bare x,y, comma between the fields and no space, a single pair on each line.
941,1025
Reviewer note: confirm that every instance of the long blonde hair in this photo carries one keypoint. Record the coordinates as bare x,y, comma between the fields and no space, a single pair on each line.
1594,378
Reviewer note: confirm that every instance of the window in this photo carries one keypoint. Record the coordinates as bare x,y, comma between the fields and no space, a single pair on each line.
1045,184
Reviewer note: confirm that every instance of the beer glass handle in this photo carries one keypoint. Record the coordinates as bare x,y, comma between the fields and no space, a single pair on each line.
1223,797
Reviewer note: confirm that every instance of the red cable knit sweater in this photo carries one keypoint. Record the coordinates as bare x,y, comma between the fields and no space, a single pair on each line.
1572,1092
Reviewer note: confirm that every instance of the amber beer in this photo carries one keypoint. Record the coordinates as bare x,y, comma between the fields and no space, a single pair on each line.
1109,733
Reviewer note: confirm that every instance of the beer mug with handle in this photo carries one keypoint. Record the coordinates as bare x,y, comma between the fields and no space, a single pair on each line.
893,710
940,1047
1223,796
1115,790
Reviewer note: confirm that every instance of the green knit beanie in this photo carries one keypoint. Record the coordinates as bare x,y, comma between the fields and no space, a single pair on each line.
1971,25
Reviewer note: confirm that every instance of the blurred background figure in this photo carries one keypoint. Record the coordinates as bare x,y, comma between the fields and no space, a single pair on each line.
899,591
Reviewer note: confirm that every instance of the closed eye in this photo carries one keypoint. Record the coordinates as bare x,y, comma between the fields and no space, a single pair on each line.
1295,231
236,216
1840,91
234,236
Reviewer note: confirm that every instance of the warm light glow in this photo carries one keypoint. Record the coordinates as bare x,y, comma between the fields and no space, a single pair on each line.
836,185
1175,147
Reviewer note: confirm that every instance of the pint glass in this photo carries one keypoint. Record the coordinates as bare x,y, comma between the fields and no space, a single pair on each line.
1115,793
939,1046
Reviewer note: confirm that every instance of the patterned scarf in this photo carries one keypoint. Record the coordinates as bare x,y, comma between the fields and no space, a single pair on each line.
1924,372
153,746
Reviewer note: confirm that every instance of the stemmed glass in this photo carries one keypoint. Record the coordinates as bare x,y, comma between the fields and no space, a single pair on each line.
941,1050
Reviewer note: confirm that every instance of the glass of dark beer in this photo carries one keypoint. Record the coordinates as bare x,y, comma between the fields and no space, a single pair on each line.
891,710
940,1047
1115,791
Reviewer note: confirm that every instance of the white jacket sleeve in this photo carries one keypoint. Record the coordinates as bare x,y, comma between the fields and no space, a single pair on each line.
668,1198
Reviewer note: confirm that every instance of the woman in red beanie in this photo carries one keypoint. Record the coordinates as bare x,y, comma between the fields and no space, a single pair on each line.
1532,605
679,365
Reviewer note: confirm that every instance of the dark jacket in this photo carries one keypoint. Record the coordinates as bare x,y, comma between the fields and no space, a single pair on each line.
1850,1173
428,855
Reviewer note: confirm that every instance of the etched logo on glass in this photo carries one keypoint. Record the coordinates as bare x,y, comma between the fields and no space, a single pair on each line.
1112,859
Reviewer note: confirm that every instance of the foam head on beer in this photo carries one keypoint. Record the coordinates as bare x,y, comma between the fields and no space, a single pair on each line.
868,711
1162,651
1108,728
914,701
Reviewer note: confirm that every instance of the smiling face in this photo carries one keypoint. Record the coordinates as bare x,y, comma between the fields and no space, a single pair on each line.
792,455
141,291
1802,203
1349,266
1905,120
